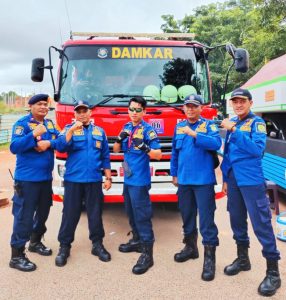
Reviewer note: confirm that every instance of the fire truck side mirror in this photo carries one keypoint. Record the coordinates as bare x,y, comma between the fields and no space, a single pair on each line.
241,60
37,72
216,105
56,96
230,49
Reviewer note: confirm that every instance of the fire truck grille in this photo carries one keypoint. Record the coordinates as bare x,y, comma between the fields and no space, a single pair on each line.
165,142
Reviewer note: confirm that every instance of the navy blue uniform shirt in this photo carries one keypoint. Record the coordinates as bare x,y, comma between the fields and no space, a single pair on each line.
191,160
244,150
88,154
137,160
32,165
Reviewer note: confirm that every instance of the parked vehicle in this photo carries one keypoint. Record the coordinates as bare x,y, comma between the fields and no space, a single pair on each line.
108,69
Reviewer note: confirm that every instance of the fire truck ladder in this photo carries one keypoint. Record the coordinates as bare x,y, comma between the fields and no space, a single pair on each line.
124,35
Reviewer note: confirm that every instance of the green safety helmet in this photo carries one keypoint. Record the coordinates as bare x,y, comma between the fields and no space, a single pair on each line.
169,94
186,90
151,92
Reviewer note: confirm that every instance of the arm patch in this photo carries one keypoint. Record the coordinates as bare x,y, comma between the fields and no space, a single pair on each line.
19,130
180,130
152,134
260,127
213,127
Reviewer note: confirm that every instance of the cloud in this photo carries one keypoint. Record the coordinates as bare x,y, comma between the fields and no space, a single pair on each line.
28,31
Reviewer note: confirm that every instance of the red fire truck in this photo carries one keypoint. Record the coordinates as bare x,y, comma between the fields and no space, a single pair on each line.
108,69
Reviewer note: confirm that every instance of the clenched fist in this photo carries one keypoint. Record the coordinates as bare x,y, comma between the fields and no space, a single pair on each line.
39,130
187,130
123,135
227,124
77,125
141,145
42,146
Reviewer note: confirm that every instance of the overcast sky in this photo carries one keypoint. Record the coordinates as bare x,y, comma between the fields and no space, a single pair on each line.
29,27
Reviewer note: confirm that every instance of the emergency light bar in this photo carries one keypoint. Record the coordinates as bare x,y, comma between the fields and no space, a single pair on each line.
133,35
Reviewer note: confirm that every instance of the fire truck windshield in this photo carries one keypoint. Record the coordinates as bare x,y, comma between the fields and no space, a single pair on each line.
160,74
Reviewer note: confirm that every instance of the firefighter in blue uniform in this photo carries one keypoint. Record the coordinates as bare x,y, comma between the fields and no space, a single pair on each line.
33,141
192,168
245,186
88,154
139,142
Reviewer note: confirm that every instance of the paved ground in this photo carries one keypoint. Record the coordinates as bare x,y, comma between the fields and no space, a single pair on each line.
85,277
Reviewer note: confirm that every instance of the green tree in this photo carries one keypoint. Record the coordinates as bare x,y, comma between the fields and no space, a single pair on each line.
270,9
247,24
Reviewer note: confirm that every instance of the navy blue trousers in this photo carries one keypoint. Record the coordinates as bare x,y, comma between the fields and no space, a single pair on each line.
201,198
74,195
31,208
139,210
251,199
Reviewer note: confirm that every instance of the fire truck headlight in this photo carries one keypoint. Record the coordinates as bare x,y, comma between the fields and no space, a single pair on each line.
61,170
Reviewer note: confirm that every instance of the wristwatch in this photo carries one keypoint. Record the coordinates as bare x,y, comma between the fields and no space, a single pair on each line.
108,178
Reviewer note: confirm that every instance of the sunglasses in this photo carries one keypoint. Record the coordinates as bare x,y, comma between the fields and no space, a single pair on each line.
138,110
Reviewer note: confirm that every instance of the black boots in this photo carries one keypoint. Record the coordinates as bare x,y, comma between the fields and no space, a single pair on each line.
241,263
133,245
99,250
62,257
145,260
272,281
20,261
190,251
208,273
37,246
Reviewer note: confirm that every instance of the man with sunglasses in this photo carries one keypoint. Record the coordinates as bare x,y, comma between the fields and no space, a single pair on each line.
192,168
88,154
138,140
244,184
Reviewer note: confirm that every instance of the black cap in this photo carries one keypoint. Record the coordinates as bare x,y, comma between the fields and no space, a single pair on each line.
194,99
80,104
241,93
38,98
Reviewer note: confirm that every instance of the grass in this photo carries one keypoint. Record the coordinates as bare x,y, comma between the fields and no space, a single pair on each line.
4,109
4,146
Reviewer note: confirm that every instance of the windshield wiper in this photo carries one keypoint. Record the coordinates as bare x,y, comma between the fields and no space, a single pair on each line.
166,104
110,97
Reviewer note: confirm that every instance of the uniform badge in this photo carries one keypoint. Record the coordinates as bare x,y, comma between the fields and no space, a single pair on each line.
152,134
260,127
202,127
32,126
19,130
180,130
139,133
246,126
78,132
96,131
50,125
98,144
